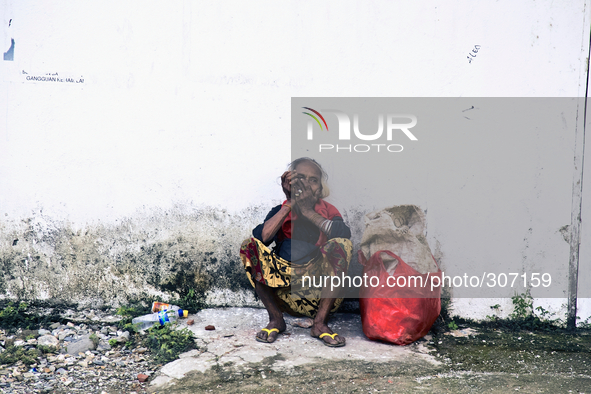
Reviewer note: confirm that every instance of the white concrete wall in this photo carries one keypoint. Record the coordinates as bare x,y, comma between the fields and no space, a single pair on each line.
188,103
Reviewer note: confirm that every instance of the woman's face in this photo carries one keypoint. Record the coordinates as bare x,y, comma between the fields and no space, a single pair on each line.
309,174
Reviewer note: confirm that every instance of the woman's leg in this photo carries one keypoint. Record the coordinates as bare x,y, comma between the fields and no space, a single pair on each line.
264,268
276,320
320,325
337,252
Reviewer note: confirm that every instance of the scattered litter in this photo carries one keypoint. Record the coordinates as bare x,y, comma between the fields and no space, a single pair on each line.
210,328
190,322
142,378
161,318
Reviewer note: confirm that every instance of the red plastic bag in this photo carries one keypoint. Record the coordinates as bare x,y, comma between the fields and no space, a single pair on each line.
397,314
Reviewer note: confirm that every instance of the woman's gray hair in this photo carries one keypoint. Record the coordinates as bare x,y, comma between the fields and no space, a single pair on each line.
323,178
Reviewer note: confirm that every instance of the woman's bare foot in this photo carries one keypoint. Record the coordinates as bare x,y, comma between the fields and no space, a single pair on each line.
320,328
270,337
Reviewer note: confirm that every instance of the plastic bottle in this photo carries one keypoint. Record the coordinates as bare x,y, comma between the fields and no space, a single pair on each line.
162,306
159,318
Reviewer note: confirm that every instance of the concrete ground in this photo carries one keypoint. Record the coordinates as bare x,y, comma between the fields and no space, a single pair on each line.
228,359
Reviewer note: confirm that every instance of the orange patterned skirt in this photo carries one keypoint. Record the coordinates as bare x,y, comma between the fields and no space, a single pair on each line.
263,265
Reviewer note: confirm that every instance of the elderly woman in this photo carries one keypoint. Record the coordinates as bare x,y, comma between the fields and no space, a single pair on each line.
311,239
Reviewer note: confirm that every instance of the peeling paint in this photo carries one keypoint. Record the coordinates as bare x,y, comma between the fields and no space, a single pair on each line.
9,54
565,231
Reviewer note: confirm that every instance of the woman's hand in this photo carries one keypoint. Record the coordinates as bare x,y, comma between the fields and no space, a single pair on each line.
286,183
305,198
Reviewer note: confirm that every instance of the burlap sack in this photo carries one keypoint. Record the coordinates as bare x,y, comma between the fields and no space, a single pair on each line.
401,230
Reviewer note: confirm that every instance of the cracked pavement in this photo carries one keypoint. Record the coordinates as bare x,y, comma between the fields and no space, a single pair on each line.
232,346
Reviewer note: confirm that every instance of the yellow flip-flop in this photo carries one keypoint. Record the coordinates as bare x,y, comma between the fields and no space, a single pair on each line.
268,331
325,334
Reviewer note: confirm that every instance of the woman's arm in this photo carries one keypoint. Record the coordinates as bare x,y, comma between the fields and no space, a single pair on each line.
273,225
339,229
335,228
276,217
306,200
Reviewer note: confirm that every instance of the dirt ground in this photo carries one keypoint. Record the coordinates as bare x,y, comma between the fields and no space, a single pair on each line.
354,377
483,360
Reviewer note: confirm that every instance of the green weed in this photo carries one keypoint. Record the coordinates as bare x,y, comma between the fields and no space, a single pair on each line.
95,339
131,311
495,308
166,342
16,316
522,306
190,302
13,354
523,317
127,313
585,324
46,349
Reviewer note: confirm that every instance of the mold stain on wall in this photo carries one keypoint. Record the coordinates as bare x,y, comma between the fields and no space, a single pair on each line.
164,254
160,253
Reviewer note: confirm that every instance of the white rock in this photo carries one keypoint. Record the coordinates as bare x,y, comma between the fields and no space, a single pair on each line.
47,340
